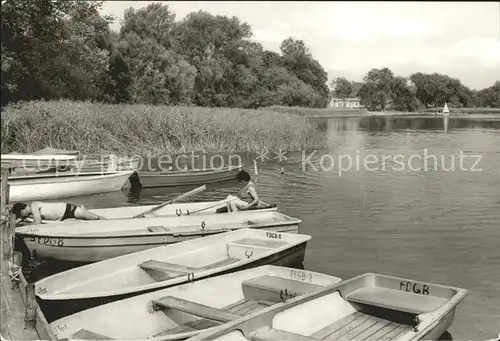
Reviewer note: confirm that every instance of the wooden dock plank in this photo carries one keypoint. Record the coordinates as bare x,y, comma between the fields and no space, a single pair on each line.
13,311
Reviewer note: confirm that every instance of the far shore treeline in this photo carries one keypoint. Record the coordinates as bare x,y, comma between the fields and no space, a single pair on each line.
66,49
59,57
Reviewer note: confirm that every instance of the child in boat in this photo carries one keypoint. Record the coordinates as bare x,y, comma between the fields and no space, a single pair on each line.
247,197
52,211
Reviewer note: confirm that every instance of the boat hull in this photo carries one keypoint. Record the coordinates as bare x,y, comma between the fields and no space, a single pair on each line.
170,179
56,309
104,166
441,326
28,188
85,250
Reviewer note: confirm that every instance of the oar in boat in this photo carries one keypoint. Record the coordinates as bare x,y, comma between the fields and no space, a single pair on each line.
212,206
182,196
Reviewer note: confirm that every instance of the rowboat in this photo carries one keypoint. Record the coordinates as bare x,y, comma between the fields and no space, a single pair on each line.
189,177
110,163
96,240
74,162
366,307
185,310
176,209
63,185
21,161
95,284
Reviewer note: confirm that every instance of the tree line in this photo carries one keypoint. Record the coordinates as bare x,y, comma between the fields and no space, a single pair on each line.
66,49
381,89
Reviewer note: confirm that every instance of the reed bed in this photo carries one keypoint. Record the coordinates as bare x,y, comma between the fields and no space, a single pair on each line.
97,129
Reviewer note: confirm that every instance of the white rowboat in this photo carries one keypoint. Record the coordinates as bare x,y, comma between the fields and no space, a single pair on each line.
366,307
203,306
165,266
63,185
96,240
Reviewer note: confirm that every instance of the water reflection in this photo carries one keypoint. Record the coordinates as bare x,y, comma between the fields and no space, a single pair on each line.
389,124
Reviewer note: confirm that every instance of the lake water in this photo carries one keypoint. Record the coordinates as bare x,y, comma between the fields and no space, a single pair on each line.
436,220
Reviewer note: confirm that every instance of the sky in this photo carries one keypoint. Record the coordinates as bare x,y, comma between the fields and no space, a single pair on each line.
459,39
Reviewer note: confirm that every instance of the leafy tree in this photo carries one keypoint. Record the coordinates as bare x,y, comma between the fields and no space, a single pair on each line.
377,91
490,97
435,89
299,61
51,50
342,88
403,95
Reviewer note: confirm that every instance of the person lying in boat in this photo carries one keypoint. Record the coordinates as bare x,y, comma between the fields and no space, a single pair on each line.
52,211
247,197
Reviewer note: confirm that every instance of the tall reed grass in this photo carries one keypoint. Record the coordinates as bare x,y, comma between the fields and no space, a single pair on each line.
97,129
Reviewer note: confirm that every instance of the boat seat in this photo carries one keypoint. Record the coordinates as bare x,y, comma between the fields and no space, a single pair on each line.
166,267
396,300
223,262
84,334
261,243
275,289
197,309
159,228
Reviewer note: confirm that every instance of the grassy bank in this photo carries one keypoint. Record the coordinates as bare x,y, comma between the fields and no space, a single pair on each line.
319,112
148,130
465,110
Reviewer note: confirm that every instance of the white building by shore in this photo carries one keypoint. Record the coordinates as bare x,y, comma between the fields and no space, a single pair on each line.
348,103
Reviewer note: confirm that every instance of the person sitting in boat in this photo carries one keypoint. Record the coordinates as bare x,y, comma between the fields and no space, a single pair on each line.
247,197
52,211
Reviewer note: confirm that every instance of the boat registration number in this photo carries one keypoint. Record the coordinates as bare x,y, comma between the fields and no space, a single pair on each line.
47,241
300,275
415,287
273,235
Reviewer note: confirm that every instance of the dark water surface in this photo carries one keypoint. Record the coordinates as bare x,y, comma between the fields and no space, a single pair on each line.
436,220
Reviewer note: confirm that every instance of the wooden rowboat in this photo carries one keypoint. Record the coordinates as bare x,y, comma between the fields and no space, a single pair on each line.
185,310
165,266
109,163
96,240
189,177
366,307
31,161
176,209
63,185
